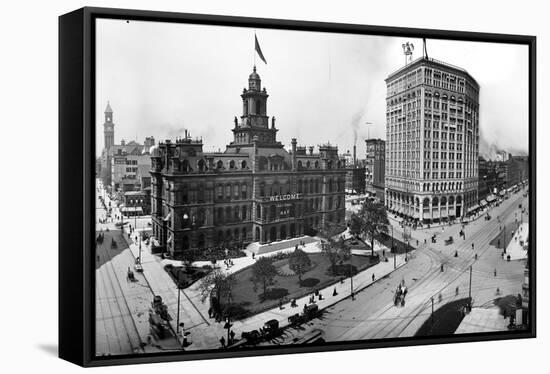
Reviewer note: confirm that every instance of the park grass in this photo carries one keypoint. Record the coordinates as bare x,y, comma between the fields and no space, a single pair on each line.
247,299
445,319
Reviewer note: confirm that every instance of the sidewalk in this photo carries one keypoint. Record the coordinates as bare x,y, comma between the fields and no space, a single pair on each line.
515,249
205,332
483,320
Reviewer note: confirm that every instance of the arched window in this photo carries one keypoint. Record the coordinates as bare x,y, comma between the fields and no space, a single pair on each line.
243,165
202,166
316,164
243,213
219,164
299,165
228,214
200,241
231,164
258,107
228,191
244,194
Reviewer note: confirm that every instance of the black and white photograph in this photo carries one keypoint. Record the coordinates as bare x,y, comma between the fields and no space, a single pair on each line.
262,188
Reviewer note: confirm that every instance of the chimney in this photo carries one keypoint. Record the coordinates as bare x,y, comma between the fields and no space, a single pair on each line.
293,153
354,156
310,150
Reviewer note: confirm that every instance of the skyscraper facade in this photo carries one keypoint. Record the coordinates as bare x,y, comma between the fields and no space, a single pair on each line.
432,141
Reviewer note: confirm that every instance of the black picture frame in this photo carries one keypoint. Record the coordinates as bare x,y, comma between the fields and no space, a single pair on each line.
76,180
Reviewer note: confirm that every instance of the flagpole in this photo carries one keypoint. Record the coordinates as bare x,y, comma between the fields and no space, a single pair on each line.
254,49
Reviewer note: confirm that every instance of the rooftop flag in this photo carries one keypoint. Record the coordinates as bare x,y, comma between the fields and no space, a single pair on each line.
259,50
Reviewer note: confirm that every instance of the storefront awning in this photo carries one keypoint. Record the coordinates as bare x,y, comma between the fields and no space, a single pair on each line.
132,209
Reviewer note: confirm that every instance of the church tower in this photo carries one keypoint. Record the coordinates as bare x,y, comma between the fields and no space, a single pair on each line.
254,124
109,128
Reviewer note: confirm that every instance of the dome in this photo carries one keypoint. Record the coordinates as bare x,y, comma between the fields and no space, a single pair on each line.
254,75
154,151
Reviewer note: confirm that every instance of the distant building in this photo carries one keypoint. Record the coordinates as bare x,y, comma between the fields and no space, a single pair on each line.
255,191
137,203
432,141
119,163
517,170
355,180
375,167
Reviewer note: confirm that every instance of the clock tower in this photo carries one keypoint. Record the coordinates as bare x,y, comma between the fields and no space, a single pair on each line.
109,128
254,123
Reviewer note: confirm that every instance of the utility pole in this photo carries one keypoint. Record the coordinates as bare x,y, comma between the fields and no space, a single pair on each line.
179,295
470,290
351,274
432,316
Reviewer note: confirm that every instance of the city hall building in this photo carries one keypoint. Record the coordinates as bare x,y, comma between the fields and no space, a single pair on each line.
432,141
254,191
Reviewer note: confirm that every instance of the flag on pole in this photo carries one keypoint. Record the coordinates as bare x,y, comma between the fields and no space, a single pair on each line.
259,50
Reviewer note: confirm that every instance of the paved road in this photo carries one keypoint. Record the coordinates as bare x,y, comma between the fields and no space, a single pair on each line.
372,315
122,306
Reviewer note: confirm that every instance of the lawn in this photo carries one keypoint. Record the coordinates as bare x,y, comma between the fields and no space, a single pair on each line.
246,297
445,319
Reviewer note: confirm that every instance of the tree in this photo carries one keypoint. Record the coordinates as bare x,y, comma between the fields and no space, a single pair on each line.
264,272
218,283
373,220
299,263
355,225
334,247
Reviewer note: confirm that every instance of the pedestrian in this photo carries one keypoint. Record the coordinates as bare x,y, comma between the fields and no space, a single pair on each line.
210,312
232,335
456,291
253,255
222,342
495,272
476,257
334,293
373,277
472,246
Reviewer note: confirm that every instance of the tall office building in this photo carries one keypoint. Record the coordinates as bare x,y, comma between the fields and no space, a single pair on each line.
375,167
432,141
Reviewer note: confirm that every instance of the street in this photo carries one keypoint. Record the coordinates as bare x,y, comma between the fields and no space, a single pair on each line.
373,314
122,306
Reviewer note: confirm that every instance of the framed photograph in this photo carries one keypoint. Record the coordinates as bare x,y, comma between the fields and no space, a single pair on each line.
235,186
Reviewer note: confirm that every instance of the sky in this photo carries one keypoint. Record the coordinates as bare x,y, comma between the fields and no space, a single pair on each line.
163,78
